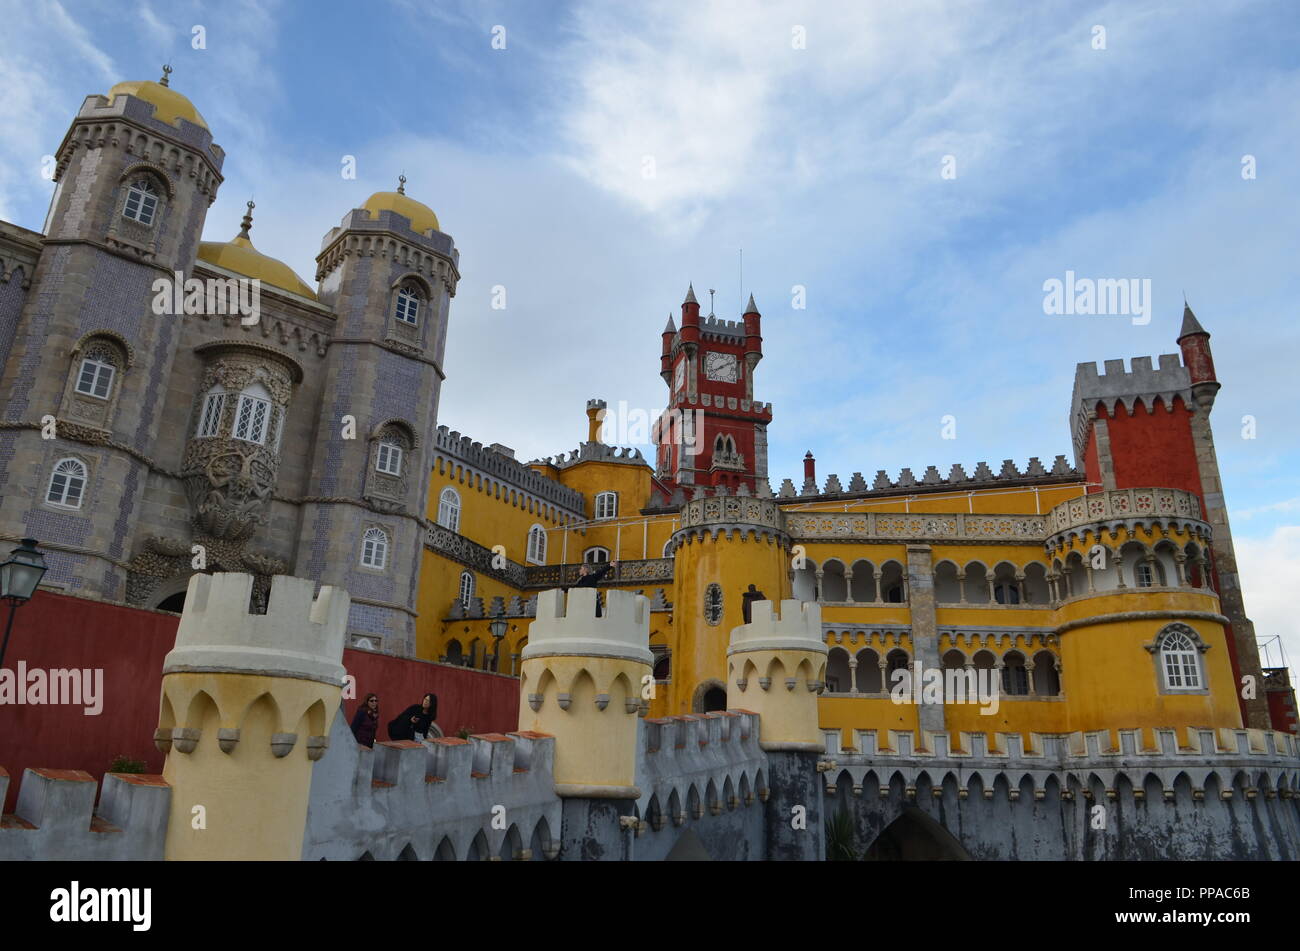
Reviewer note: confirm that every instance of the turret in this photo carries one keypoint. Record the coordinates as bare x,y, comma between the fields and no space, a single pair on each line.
1194,342
666,354
247,700
581,683
690,317
595,417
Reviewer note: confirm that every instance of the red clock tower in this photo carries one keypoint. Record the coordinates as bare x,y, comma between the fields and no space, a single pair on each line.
713,431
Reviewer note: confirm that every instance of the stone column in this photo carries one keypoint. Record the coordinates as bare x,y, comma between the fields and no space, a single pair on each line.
925,628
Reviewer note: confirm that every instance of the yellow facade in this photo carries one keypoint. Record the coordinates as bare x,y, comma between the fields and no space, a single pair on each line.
965,580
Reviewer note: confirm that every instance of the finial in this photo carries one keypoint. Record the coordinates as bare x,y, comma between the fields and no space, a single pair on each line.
401,184
751,307
167,71
690,295
248,221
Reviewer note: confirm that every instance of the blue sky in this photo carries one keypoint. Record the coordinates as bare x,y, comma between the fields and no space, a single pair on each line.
924,294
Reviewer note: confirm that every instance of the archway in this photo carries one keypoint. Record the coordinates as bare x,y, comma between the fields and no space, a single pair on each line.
710,696
915,837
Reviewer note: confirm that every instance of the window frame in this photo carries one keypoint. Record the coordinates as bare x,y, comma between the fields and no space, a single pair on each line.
257,403
535,554
393,452
58,471
98,365
408,302
606,502
595,549
452,506
463,595
375,540
1186,662
147,201
215,398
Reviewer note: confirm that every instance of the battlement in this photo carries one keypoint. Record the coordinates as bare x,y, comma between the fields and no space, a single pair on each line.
595,452
567,624
1007,475
299,636
798,627
688,766
722,329
1116,385
437,799
509,470
55,817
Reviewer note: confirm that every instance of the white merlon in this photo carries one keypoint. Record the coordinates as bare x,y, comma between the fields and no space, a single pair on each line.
568,625
799,627
299,636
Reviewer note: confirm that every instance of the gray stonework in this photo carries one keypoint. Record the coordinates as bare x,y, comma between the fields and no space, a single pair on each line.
924,629
300,500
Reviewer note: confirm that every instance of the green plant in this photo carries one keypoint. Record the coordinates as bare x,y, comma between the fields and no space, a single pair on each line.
124,764
839,839
463,733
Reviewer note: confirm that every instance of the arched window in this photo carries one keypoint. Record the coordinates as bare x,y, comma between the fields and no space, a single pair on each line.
141,201
607,505
408,305
596,556
253,414
537,545
1149,574
713,604
466,593
449,509
95,377
1015,676
1006,592
1180,661
389,460
214,405
374,548
67,484
668,549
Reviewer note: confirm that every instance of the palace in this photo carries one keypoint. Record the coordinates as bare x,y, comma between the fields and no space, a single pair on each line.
147,449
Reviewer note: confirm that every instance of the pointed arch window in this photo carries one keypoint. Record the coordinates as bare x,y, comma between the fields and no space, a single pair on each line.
449,509
374,548
466,593
141,201
67,484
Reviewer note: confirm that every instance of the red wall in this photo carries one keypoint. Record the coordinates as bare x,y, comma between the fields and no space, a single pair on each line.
1153,448
129,644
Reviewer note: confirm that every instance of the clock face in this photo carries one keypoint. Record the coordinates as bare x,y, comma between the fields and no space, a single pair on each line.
720,367
681,376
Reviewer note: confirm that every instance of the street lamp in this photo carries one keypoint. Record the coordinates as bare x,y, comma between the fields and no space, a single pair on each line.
19,577
498,627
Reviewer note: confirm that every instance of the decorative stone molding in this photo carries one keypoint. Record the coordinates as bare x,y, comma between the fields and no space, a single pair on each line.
868,527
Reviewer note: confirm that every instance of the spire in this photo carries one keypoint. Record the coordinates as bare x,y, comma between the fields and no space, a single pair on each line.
1190,324
167,71
751,307
671,328
248,222
690,295
401,184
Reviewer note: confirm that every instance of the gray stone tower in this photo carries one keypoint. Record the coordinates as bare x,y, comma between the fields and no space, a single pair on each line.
135,175
388,272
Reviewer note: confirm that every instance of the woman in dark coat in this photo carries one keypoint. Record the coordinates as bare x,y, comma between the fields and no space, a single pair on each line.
366,721
416,718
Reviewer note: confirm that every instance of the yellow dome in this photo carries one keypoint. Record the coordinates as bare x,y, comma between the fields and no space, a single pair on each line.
168,104
422,216
241,257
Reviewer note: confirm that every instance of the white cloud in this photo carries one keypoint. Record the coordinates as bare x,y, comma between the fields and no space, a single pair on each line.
1269,568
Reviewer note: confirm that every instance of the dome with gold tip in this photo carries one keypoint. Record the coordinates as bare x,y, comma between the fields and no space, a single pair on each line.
242,258
169,105
421,215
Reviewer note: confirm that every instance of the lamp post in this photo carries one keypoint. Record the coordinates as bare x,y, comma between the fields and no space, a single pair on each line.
498,627
19,577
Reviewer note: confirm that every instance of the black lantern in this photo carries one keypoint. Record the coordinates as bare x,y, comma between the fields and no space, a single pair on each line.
19,578
497,626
